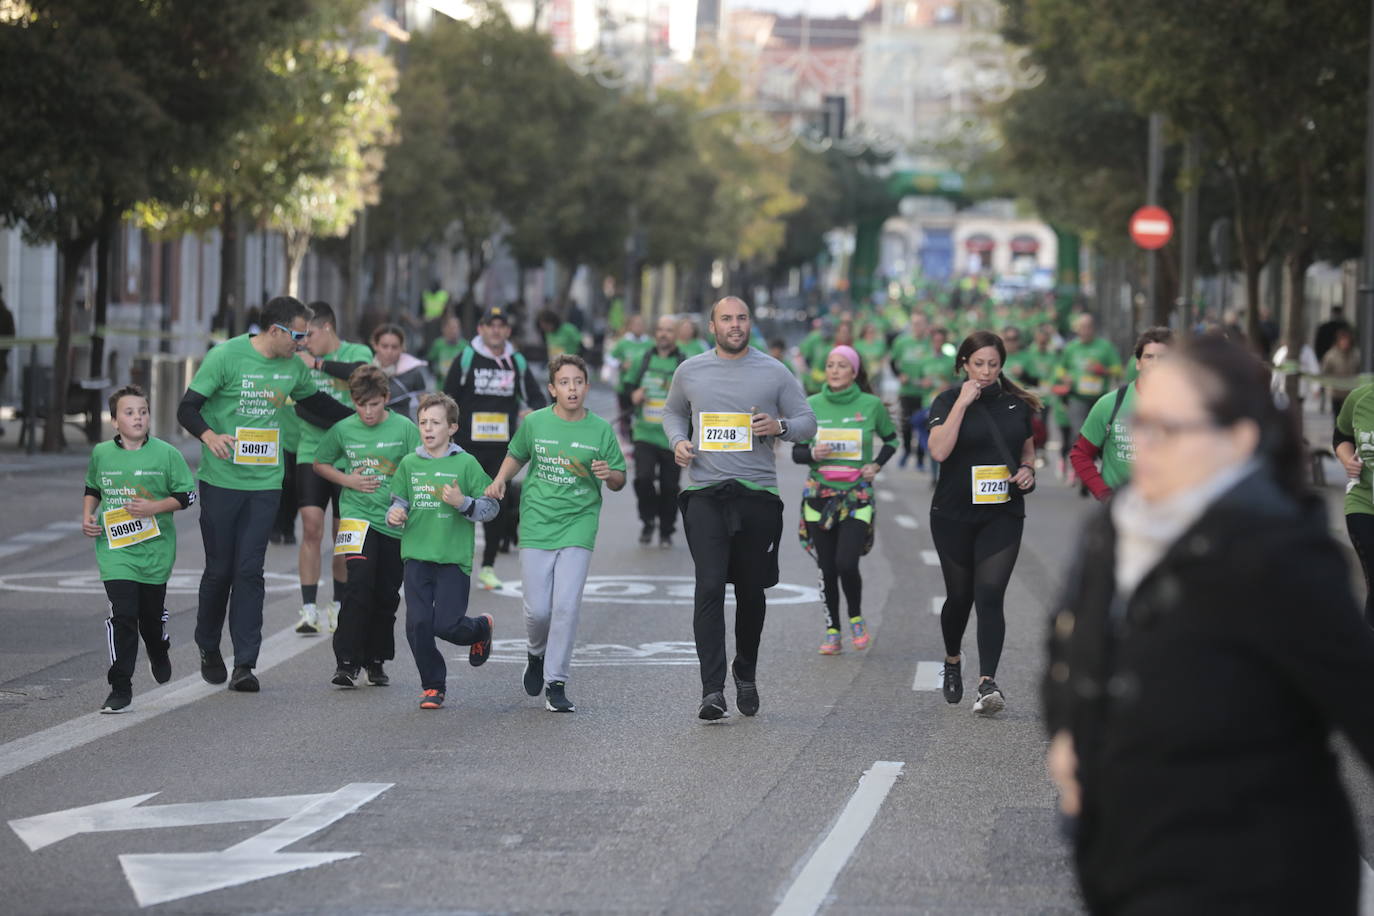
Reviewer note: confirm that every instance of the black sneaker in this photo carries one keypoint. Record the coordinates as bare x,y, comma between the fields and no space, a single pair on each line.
212,667
990,700
746,696
480,651
534,674
118,701
161,664
556,698
713,707
665,541
376,675
953,686
244,681
344,676
646,534
288,538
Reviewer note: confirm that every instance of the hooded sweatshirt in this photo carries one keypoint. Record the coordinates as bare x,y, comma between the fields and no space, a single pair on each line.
490,393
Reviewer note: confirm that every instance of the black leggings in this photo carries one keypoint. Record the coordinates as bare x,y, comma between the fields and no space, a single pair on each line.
837,554
907,407
977,559
1361,529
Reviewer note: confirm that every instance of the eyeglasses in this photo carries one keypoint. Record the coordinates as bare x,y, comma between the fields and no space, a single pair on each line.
1146,429
297,336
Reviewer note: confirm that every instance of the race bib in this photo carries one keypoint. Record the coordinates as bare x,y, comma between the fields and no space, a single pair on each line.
256,446
653,409
845,444
352,533
490,427
726,432
1090,385
991,484
122,529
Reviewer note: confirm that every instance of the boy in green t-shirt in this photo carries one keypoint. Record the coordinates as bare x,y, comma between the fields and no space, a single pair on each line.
446,348
573,451
430,500
136,482
359,455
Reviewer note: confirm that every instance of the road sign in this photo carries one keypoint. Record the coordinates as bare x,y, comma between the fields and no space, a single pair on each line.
160,877
1151,227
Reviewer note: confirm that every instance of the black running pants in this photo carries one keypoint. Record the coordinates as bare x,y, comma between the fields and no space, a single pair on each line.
367,618
976,559
837,554
1361,529
656,486
136,608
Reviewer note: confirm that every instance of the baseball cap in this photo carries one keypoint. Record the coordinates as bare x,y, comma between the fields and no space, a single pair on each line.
495,313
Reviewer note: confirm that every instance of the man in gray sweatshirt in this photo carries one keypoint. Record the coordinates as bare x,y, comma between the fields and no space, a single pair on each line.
725,409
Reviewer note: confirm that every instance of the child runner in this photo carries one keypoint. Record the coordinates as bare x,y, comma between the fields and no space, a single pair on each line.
360,455
135,482
429,499
837,505
560,507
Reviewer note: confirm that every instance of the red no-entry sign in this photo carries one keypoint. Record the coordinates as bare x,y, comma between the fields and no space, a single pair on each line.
1151,227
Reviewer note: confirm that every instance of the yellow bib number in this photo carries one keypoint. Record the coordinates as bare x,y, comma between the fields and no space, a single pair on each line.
256,446
991,484
845,444
653,409
123,530
726,432
352,533
1090,385
490,427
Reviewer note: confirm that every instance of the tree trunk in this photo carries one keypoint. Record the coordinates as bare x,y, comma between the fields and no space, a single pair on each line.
228,266
295,245
1253,267
108,222
72,252
565,281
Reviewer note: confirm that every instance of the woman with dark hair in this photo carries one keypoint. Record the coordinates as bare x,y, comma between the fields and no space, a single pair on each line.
409,375
837,504
980,433
1207,647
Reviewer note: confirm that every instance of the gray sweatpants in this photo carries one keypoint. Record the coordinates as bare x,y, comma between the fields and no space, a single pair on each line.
552,582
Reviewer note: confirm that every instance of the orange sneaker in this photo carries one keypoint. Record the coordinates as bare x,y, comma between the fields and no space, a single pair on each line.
859,630
432,699
831,646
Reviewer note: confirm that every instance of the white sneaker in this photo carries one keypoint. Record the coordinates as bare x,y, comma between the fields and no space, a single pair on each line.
990,700
331,617
310,621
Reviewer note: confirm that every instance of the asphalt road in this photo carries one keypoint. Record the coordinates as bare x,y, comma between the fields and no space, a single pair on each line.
359,802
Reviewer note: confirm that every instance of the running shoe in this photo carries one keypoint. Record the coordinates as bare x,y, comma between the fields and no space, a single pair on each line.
310,621
831,646
859,631
646,534
118,701
212,667
902,461
376,675
746,696
534,674
330,618
432,699
990,700
480,651
244,681
713,707
345,676
953,685
665,541
160,663
487,579
556,698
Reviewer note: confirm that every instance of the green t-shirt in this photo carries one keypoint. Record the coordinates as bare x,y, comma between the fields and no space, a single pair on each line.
872,353
441,356
291,429
908,358
354,447
657,378
1356,420
932,374
567,339
848,420
560,502
435,531
694,347
1089,368
155,471
629,352
337,388
813,349
246,394
1118,450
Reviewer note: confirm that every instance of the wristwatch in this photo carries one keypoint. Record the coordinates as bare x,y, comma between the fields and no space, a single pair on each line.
782,427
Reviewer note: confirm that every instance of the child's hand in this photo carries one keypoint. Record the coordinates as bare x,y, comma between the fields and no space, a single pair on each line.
396,517
497,489
363,483
139,508
89,526
601,469
453,495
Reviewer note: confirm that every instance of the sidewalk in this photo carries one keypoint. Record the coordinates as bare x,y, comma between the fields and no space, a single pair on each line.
17,460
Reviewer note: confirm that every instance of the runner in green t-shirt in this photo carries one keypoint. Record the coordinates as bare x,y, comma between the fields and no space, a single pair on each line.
436,496
1087,368
689,338
447,347
133,485
573,452
872,349
559,336
930,375
1353,440
626,354
313,493
910,349
359,455
656,472
234,406
813,348
1106,432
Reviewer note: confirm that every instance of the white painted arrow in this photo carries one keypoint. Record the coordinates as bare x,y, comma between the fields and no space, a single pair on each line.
122,814
161,877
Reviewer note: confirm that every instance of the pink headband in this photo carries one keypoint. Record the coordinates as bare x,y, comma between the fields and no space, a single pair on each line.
848,353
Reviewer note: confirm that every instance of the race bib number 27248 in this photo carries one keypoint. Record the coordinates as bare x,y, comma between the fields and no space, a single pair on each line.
726,432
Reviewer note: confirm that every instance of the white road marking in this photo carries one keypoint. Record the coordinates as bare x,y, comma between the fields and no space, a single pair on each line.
886,496
7,549
65,526
907,522
39,746
930,558
929,676
37,537
1366,889
818,875
937,604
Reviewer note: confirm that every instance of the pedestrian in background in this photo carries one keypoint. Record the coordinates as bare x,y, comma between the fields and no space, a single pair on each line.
1207,647
6,330
1340,368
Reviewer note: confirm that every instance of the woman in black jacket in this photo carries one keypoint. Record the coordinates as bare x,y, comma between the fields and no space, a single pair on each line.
1207,647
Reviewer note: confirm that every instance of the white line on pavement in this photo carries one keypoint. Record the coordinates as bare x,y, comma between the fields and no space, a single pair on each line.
929,676
818,875
37,537
7,549
930,558
906,521
1366,889
937,604
885,496
39,746
65,526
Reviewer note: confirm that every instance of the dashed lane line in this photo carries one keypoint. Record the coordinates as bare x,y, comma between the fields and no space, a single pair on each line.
929,676
907,522
937,604
930,558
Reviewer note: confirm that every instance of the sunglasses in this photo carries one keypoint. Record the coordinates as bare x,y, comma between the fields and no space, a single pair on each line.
297,336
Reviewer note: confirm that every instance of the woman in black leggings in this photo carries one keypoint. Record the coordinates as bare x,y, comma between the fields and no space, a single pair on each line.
981,434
